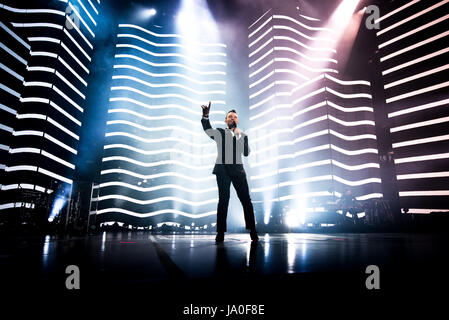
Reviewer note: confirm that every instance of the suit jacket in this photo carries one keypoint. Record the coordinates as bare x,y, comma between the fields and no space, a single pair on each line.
229,149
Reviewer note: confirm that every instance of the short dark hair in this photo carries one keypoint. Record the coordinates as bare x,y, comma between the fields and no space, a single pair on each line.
232,110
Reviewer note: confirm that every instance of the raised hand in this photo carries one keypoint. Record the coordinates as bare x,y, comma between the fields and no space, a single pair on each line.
206,110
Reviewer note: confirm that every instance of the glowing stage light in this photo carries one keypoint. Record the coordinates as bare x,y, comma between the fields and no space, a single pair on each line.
58,204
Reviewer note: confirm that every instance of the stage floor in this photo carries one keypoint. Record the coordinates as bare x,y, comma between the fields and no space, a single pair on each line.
191,268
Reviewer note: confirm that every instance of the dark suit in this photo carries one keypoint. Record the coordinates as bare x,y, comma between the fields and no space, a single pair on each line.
229,168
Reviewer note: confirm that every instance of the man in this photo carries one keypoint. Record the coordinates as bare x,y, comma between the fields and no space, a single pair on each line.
231,143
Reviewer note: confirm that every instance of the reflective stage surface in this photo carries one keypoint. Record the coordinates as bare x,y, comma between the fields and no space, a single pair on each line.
191,268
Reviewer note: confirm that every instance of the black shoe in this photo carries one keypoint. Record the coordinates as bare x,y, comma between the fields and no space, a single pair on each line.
220,237
253,235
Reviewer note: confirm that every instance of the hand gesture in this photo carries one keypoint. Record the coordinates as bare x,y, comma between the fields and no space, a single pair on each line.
237,132
206,110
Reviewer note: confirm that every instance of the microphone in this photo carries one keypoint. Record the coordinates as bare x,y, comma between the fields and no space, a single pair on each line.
233,125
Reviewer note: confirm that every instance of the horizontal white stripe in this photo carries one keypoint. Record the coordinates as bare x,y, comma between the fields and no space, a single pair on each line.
16,205
157,175
418,108
349,96
45,135
178,65
165,139
160,151
158,163
176,45
158,200
155,188
54,175
412,17
426,57
423,175
422,158
310,150
424,193
419,124
414,46
302,24
418,92
160,96
167,85
170,35
155,54
315,164
315,179
156,213
416,76
182,130
420,141
159,75
391,13
37,25
426,211
50,11
159,106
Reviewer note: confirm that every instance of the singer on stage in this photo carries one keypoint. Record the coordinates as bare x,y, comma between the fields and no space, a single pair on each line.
231,143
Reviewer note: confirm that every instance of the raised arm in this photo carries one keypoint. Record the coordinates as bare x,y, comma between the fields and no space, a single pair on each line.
212,133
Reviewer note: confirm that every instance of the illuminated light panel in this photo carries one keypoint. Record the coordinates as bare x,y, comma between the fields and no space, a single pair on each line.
418,92
261,26
12,53
142,116
157,163
422,158
87,12
167,85
418,108
148,152
75,58
420,124
155,44
416,45
76,43
153,129
410,63
155,54
9,90
157,200
12,34
410,18
93,7
426,211
154,176
421,141
180,65
443,174
159,187
405,35
417,76
423,193
302,24
74,26
396,11
168,75
72,71
71,86
138,138
157,212
167,35
168,95
62,94
37,25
